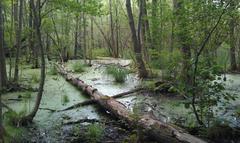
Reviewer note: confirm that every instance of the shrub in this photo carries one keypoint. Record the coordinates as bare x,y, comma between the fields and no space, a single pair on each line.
78,67
27,95
53,70
65,99
100,52
119,74
35,78
95,133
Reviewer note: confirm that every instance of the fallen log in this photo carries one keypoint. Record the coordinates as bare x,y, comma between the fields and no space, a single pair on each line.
160,131
92,101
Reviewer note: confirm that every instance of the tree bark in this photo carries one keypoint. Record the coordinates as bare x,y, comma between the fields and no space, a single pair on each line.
233,60
160,131
3,73
136,43
76,46
19,41
183,39
37,22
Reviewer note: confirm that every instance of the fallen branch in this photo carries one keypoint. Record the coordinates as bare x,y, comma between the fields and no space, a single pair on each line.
52,110
81,121
160,131
5,106
92,101
15,99
84,103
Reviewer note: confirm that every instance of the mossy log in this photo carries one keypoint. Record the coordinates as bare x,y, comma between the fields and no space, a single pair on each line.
160,131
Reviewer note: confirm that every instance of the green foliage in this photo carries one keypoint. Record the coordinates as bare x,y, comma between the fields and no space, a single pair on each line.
12,118
100,52
149,84
65,99
133,138
168,62
27,95
95,133
78,67
53,70
237,112
209,92
35,77
118,73
13,134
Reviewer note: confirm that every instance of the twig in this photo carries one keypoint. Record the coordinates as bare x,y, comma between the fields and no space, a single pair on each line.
81,121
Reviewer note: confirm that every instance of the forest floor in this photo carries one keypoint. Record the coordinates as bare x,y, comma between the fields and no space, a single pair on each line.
58,94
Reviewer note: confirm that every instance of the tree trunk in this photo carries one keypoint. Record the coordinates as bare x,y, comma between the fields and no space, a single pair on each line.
37,23
158,130
183,39
84,36
31,38
136,43
3,73
76,46
232,39
114,50
19,42
155,24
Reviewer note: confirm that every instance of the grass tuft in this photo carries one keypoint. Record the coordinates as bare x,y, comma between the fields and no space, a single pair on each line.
53,70
95,133
78,67
35,78
65,99
118,73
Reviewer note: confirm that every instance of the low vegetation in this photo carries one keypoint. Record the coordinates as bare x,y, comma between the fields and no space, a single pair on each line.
95,133
78,67
119,74
65,99
52,70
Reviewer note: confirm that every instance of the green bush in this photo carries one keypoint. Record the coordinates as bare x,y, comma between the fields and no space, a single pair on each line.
78,67
100,52
118,73
65,99
95,133
35,78
168,62
53,70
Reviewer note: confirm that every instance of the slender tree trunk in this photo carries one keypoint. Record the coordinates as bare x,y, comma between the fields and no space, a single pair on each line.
155,24
92,42
19,42
146,35
37,23
117,27
112,31
48,48
232,44
185,45
3,73
31,35
84,36
136,43
12,41
76,47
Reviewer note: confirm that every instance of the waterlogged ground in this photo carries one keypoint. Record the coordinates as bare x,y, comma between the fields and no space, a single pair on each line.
48,126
